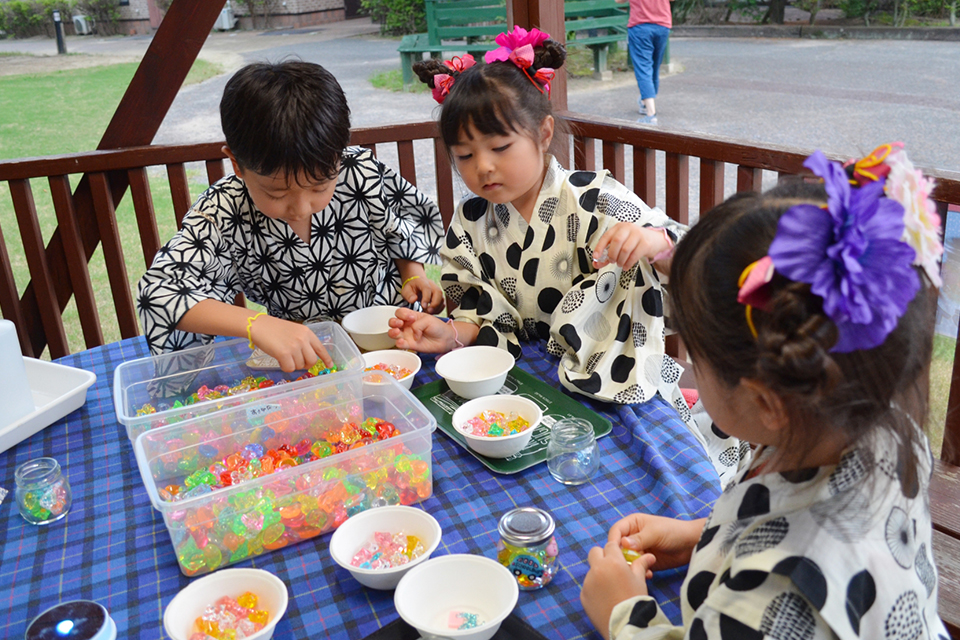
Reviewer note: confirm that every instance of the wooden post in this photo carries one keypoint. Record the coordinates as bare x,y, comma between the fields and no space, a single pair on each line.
546,15
154,86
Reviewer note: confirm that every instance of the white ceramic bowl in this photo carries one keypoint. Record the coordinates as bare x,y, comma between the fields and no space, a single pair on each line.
405,359
475,371
427,595
180,616
498,446
368,327
357,530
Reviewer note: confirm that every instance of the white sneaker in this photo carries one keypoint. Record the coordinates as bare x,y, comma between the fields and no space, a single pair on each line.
647,120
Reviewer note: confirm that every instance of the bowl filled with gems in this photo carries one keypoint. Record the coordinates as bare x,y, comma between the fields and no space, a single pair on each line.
235,484
233,603
497,426
379,546
380,366
457,596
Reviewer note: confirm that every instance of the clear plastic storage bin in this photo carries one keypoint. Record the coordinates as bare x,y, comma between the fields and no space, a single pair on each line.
156,391
336,475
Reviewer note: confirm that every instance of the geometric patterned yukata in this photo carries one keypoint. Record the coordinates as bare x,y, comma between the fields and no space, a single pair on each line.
226,246
536,281
831,552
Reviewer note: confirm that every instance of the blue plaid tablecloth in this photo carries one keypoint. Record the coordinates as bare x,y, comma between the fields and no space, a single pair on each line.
114,548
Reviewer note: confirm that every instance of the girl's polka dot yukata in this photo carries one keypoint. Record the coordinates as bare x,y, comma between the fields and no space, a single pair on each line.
841,551
226,246
520,281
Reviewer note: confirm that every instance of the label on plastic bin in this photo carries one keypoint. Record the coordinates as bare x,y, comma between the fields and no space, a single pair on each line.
261,410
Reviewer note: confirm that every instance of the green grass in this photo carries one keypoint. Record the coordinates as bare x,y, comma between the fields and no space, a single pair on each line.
393,81
941,372
67,112
579,62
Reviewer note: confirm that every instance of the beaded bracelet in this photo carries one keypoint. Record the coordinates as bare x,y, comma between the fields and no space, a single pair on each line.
250,321
408,280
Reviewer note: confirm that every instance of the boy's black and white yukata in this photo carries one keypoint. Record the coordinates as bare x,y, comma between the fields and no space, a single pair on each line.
520,281
227,246
824,553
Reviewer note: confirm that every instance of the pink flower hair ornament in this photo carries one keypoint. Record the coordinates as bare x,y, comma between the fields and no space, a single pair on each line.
517,47
443,82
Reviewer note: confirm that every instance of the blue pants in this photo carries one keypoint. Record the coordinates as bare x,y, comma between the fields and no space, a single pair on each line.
647,43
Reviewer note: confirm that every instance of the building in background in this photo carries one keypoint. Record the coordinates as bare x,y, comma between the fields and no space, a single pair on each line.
144,16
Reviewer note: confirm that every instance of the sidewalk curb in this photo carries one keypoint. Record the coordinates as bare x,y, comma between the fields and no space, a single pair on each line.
949,34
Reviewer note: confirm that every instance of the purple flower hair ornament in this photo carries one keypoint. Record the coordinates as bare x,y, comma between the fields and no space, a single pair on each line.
852,256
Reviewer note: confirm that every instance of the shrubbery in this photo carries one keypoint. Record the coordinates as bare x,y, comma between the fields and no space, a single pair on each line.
397,17
27,18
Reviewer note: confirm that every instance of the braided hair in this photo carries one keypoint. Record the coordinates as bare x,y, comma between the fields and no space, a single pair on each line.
858,392
496,98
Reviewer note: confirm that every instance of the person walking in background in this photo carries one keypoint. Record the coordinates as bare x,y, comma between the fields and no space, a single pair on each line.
648,31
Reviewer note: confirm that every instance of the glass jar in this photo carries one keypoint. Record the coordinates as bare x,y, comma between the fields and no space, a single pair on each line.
43,493
572,453
527,546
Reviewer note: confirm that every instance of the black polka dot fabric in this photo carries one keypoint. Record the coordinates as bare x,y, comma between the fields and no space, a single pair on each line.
766,568
227,246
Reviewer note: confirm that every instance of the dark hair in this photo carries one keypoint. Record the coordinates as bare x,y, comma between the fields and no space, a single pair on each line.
856,392
494,98
290,116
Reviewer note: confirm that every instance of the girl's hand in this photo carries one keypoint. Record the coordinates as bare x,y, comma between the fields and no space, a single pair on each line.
426,291
294,345
626,243
671,541
421,332
610,581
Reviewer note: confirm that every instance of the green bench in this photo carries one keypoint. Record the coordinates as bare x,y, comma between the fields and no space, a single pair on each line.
456,26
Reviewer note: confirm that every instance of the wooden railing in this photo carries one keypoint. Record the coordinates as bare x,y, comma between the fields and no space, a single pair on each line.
58,267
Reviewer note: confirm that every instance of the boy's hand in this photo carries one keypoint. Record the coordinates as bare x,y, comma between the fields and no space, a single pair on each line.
610,581
671,541
627,242
420,332
426,291
294,345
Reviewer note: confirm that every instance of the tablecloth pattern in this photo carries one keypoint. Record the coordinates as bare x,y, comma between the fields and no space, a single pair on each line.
114,548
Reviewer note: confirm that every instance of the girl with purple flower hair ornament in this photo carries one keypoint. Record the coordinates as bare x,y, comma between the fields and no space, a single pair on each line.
808,312
572,259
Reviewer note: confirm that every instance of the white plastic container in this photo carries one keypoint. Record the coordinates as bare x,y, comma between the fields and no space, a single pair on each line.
164,380
475,371
498,446
227,524
369,326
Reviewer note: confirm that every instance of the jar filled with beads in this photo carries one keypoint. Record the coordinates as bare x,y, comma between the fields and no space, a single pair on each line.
43,493
527,546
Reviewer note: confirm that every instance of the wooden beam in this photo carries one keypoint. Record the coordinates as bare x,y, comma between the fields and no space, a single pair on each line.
154,86
546,15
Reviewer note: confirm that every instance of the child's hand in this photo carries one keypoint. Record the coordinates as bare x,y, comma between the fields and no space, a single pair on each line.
294,345
610,581
421,332
625,243
670,540
426,291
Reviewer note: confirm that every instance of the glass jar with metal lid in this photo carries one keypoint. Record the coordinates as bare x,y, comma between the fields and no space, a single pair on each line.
527,546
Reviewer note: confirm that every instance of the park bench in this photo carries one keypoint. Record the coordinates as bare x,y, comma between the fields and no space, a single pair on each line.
456,26
84,220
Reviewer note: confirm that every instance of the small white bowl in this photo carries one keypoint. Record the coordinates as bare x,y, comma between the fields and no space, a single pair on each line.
405,359
180,617
368,327
427,595
357,530
475,371
498,446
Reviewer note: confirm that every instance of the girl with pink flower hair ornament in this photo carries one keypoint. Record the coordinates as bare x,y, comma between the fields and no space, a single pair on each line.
572,259
814,345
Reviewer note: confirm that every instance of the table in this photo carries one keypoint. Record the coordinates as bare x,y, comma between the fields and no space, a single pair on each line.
113,546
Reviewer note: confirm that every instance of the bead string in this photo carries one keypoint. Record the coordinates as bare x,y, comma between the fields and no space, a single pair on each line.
250,322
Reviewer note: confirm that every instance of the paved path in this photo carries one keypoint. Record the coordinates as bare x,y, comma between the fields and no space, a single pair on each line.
840,96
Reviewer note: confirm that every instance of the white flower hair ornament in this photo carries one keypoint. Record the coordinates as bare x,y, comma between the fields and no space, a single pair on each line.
907,185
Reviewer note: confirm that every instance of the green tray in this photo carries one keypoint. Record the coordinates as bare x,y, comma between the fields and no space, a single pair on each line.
442,402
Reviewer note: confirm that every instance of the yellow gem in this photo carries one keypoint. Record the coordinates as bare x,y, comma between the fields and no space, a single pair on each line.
259,617
248,600
630,555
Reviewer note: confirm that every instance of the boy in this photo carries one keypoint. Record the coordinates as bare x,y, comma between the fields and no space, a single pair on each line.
307,227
